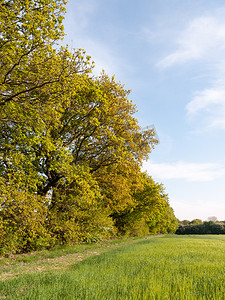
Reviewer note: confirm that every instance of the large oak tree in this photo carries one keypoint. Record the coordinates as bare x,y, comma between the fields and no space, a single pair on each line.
70,145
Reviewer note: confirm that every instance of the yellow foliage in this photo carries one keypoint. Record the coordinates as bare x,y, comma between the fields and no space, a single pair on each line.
22,219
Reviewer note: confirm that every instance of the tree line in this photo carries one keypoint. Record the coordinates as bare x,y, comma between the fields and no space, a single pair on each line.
71,148
197,226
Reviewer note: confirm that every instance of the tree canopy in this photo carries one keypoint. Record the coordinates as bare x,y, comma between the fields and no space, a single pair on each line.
28,31
71,146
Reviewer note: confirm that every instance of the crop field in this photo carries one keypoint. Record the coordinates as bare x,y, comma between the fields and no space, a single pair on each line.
163,267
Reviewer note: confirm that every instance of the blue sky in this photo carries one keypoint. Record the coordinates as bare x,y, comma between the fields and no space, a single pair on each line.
171,54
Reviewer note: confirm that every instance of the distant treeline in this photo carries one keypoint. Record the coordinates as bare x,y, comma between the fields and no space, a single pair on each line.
200,227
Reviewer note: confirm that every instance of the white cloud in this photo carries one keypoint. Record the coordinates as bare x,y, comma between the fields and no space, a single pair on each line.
204,41
211,101
219,123
184,170
205,98
203,37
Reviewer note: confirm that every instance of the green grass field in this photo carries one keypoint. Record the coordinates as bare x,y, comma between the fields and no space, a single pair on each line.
167,267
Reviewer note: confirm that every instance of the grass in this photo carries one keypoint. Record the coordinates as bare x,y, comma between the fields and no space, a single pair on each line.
59,258
169,267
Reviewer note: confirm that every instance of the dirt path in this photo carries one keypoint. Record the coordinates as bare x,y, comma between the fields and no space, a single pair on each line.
63,262
11,270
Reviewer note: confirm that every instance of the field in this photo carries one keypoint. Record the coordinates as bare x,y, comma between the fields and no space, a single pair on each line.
162,267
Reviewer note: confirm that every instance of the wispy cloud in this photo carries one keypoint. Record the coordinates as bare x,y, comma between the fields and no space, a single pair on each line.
202,38
185,170
203,41
211,101
205,98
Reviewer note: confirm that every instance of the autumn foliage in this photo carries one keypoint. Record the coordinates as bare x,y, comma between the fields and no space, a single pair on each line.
71,148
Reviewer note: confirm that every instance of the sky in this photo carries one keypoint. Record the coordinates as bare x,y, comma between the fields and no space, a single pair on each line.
171,54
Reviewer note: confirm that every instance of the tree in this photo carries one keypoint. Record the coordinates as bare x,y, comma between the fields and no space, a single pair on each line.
88,121
71,148
82,122
151,212
28,130
28,30
185,222
22,219
76,212
213,219
196,222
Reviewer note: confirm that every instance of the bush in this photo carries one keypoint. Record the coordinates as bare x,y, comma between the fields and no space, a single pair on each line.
22,221
76,212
